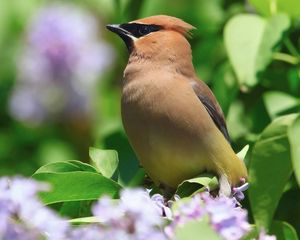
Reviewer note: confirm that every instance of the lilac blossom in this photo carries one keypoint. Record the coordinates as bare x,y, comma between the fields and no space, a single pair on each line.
238,192
90,232
227,219
22,214
222,213
59,65
135,216
165,207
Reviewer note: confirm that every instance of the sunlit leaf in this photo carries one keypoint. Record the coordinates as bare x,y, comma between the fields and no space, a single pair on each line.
270,169
250,40
76,186
237,120
195,229
106,161
198,184
277,102
269,7
74,181
68,166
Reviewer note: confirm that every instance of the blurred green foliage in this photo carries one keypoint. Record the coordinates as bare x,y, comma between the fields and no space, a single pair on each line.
247,51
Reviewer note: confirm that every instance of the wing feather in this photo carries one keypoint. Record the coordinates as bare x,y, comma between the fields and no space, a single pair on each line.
209,101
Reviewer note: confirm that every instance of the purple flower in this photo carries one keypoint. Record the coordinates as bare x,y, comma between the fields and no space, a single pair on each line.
59,65
238,191
137,202
91,232
134,216
189,210
226,218
185,211
22,214
222,213
17,232
107,210
165,207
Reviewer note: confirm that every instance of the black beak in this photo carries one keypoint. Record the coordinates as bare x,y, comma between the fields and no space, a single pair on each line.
116,28
125,35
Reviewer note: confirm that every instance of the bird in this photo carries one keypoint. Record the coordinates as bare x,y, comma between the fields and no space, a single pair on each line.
171,117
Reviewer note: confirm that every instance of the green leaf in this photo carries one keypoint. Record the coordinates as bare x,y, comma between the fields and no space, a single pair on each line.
225,86
273,33
269,170
137,180
269,7
106,161
249,40
76,186
192,229
283,231
277,102
294,80
128,164
237,120
294,139
253,234
198,184
76,209
69,166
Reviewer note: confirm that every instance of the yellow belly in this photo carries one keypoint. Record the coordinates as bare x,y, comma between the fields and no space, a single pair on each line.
170,155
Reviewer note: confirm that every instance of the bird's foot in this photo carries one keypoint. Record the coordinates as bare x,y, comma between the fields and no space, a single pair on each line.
167,191
235,192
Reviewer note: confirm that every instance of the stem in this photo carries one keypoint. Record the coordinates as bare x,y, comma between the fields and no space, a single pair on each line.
292,49
286,58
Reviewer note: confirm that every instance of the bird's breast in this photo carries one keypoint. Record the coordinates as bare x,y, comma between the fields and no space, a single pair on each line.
160,126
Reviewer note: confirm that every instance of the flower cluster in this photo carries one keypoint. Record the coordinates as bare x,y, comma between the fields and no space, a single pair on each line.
59,65
226,218
135,216
22,214
222,213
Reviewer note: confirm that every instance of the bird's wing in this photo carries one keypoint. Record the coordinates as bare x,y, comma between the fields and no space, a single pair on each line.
210,103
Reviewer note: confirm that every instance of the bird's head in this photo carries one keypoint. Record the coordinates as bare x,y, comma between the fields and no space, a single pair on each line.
152,33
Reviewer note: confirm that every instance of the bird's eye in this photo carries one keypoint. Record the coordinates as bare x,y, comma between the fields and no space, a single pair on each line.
144,29
139,30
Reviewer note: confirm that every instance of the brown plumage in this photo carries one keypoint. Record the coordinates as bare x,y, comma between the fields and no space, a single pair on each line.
172,119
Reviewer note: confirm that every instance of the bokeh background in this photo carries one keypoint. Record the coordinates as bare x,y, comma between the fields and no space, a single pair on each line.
61,73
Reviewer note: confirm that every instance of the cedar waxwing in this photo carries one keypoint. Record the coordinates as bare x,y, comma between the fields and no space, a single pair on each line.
172,119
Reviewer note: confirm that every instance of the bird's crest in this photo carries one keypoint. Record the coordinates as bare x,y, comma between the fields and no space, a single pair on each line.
168,23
